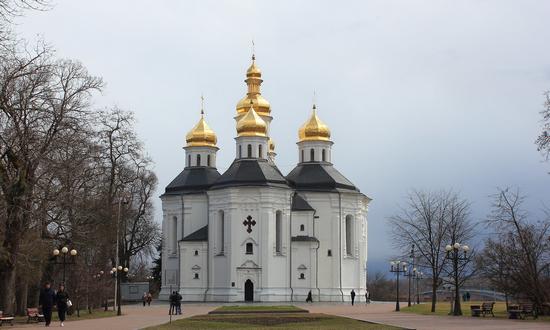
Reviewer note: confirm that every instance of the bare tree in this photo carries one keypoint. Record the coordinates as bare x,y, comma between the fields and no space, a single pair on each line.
543,140
524,246
430,221
40,98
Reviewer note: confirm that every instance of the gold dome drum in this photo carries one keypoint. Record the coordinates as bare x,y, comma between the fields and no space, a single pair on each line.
201,135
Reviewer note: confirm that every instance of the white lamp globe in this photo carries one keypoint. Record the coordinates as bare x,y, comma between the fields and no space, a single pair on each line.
101,272
391,262
73,252
466,248
55,252
448,248
126,269
65,249
456,246
113,270
119,267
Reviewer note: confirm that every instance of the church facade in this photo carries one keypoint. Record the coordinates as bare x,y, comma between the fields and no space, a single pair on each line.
254,234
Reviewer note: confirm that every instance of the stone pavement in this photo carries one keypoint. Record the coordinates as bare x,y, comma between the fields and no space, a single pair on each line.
137,317
383,313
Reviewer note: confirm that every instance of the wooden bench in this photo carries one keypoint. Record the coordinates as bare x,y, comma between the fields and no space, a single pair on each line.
475,310
527,310
514,312
34,315
487,308
5,319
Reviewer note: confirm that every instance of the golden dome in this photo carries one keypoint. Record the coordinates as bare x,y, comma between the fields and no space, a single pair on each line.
251,124
271,145
201,135
314,129
254,81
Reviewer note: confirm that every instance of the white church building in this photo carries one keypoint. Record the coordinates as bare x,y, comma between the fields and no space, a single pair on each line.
254,234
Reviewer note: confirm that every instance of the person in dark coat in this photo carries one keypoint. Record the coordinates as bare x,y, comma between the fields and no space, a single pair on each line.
46,301
352,296
61,299
309,298
172,299
179,298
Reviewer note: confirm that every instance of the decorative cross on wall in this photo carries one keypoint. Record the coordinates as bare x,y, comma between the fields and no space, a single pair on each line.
249,222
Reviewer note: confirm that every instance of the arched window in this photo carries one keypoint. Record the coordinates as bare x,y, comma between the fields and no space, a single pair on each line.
174,235
221,233
302,156
188,160
329,253
302,228
240,151
249,151
278,231
208,160
198,160
312,155
196,276
249,248
349,235
323,155
302,276
196,252
260,153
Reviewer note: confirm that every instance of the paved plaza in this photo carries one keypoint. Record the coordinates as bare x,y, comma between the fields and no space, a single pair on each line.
137,317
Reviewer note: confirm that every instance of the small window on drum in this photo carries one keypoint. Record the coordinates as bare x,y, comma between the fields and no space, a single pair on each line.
196,252
312,155
324,155
189,160
249,248
302,228
208,160
240,151
249,151
196,276
260,151
198,160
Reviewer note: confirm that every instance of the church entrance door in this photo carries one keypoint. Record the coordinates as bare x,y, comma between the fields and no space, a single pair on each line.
248,291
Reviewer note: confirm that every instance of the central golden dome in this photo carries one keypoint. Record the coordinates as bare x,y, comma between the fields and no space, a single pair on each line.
201,135
314,129
251,124
254,96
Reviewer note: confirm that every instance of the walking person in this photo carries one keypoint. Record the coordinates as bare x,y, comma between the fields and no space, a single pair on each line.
367,298
63,302
144,298
179,298
309,298
149,298
172,299
46,301
352,293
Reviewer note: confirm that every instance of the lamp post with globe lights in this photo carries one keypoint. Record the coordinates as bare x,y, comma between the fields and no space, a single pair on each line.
458,254
417,275
118,272
410,274
397,267
70,260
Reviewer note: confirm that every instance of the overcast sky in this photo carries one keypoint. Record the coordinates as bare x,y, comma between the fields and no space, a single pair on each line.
418,94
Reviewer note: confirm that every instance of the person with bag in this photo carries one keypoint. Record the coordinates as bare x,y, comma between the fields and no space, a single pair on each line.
63,303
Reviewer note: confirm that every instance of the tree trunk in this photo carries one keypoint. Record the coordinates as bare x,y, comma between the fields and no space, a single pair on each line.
7,287
22,294
434,294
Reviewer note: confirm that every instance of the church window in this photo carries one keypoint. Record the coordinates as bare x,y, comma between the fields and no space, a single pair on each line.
189,160
329,253
323,155
196,252
174,240
312,155
240,151
278,231
349,235
302,228
260,153
196,276
302,276
249,151
302,156
198,160
221,234
208,160
249,248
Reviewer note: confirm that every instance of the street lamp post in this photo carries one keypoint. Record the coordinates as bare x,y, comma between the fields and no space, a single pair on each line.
397,267
64,261
118,272
99,276
410,274
453,254
417,275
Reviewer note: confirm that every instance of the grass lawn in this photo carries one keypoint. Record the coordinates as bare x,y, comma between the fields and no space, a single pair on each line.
84,315
270,321
443,308
258,309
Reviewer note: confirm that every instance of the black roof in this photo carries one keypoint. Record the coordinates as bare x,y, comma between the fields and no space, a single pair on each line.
316,176
193,179
300,204
199,235
301,238
251,172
